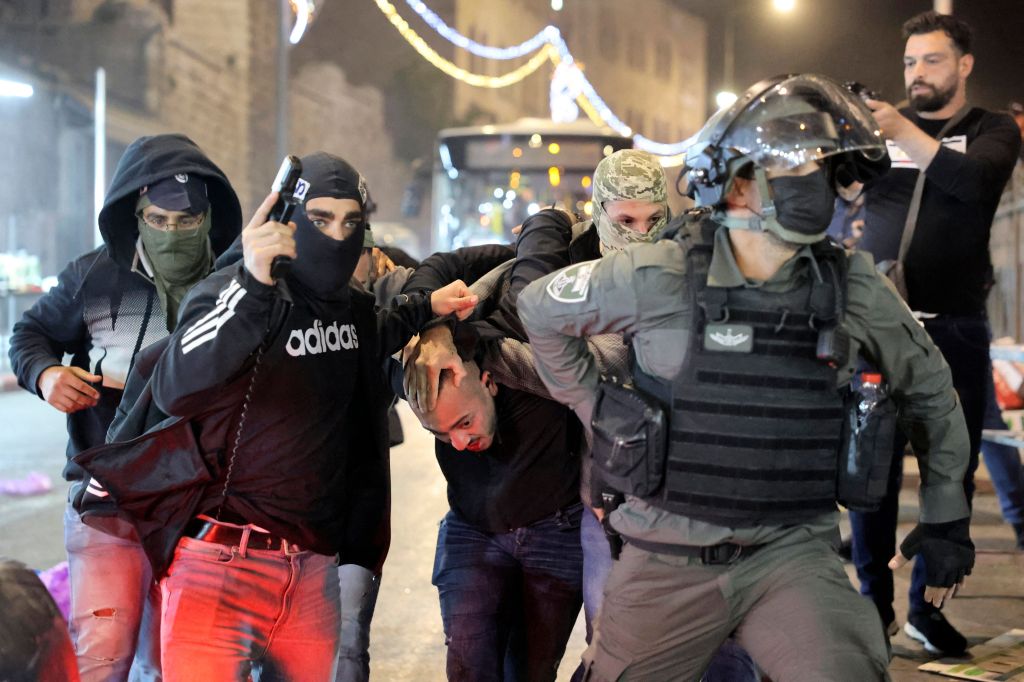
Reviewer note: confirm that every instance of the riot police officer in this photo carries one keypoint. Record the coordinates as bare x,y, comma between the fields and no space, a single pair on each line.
745,325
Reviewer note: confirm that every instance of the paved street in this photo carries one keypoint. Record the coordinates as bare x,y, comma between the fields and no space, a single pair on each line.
407,641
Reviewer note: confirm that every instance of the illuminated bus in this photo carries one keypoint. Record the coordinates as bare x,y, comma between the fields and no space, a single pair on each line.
488,179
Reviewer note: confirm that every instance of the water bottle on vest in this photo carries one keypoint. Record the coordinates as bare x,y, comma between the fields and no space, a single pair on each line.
866,456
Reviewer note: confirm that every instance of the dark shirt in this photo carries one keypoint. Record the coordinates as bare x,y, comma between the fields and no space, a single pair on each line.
288,470
311,464
947,267
527,474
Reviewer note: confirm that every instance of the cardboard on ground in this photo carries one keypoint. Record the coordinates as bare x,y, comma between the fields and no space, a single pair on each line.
1000,659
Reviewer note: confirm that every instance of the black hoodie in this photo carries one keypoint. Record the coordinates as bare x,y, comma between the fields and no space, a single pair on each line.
104,308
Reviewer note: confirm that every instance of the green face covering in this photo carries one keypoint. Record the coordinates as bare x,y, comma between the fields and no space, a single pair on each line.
180,258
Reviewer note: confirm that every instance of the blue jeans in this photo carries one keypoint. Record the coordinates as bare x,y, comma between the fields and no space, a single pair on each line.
964,343
597,564
731,664
1003,463
234,612
508,600
359,589
115,604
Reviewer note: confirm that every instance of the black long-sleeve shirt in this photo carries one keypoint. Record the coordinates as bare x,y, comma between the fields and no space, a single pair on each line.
530,471
947,266
309,464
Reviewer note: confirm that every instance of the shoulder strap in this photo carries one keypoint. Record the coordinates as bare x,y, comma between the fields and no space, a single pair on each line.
915,199
697,240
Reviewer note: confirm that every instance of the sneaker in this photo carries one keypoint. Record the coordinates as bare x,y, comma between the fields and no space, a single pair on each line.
1018,530
936,634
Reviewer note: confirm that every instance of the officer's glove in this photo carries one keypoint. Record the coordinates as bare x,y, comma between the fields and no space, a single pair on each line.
947,550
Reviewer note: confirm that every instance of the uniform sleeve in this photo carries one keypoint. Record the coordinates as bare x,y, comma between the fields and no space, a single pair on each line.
50,328
886,333
586,299
223,321
980,174
512,364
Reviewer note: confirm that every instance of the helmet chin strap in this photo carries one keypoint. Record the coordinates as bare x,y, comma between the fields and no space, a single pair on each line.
760,221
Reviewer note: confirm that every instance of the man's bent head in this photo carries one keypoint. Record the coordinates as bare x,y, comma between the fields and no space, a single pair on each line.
465,415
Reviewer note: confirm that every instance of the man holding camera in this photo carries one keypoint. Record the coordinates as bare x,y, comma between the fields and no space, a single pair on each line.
928,219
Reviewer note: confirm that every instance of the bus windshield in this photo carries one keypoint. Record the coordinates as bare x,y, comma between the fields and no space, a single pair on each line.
488,180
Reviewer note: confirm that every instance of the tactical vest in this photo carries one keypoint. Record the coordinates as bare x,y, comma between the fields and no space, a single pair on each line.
754,415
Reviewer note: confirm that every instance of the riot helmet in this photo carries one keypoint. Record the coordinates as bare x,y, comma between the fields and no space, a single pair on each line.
781,124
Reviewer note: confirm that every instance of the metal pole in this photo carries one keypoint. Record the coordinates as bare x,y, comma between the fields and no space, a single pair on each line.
729,45
281,118
99,118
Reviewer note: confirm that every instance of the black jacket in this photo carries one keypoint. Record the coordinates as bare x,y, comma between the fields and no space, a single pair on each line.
303,471
548,242
104,308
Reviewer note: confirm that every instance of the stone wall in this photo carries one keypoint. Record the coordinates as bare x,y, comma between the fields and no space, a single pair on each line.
328,113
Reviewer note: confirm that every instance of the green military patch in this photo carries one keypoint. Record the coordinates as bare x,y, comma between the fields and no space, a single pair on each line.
729,338
571,284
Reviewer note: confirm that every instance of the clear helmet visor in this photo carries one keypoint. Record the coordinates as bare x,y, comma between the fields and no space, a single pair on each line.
800,119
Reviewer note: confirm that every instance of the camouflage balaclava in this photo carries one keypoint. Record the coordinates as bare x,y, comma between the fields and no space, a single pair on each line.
627,174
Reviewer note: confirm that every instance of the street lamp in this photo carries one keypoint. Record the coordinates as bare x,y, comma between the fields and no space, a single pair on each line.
725,99
303,16
9,88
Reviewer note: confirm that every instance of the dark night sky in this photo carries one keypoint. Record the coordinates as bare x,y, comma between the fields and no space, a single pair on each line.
860,40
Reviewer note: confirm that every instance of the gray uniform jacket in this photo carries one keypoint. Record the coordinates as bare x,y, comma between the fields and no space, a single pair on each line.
642,291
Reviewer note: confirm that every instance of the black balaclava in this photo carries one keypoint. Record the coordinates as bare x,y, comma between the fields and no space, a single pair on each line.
324,265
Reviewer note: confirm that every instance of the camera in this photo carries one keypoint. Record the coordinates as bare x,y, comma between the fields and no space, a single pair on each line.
861,90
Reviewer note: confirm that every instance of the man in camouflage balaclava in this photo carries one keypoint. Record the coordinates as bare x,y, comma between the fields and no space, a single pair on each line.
627,175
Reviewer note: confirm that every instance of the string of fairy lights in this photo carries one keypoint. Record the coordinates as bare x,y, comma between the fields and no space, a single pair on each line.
546,45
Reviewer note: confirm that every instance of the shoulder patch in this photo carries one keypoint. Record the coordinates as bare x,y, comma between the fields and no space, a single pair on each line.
571,284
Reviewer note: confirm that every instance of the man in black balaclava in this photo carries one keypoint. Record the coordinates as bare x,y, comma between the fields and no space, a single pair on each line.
169,211
283,384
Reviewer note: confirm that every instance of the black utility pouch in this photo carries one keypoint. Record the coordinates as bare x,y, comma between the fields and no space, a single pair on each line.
629,439
865,455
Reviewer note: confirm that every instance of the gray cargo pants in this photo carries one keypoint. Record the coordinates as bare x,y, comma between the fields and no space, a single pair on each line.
790,604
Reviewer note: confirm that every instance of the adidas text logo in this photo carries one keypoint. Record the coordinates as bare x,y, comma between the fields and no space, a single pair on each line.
320,339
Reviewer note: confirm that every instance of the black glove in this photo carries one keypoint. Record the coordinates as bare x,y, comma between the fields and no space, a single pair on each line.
946,548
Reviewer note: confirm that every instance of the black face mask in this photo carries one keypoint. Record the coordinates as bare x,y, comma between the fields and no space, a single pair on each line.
803,203
324,265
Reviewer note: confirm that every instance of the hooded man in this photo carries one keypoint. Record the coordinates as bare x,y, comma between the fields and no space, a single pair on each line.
281,385
168,212
744,326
